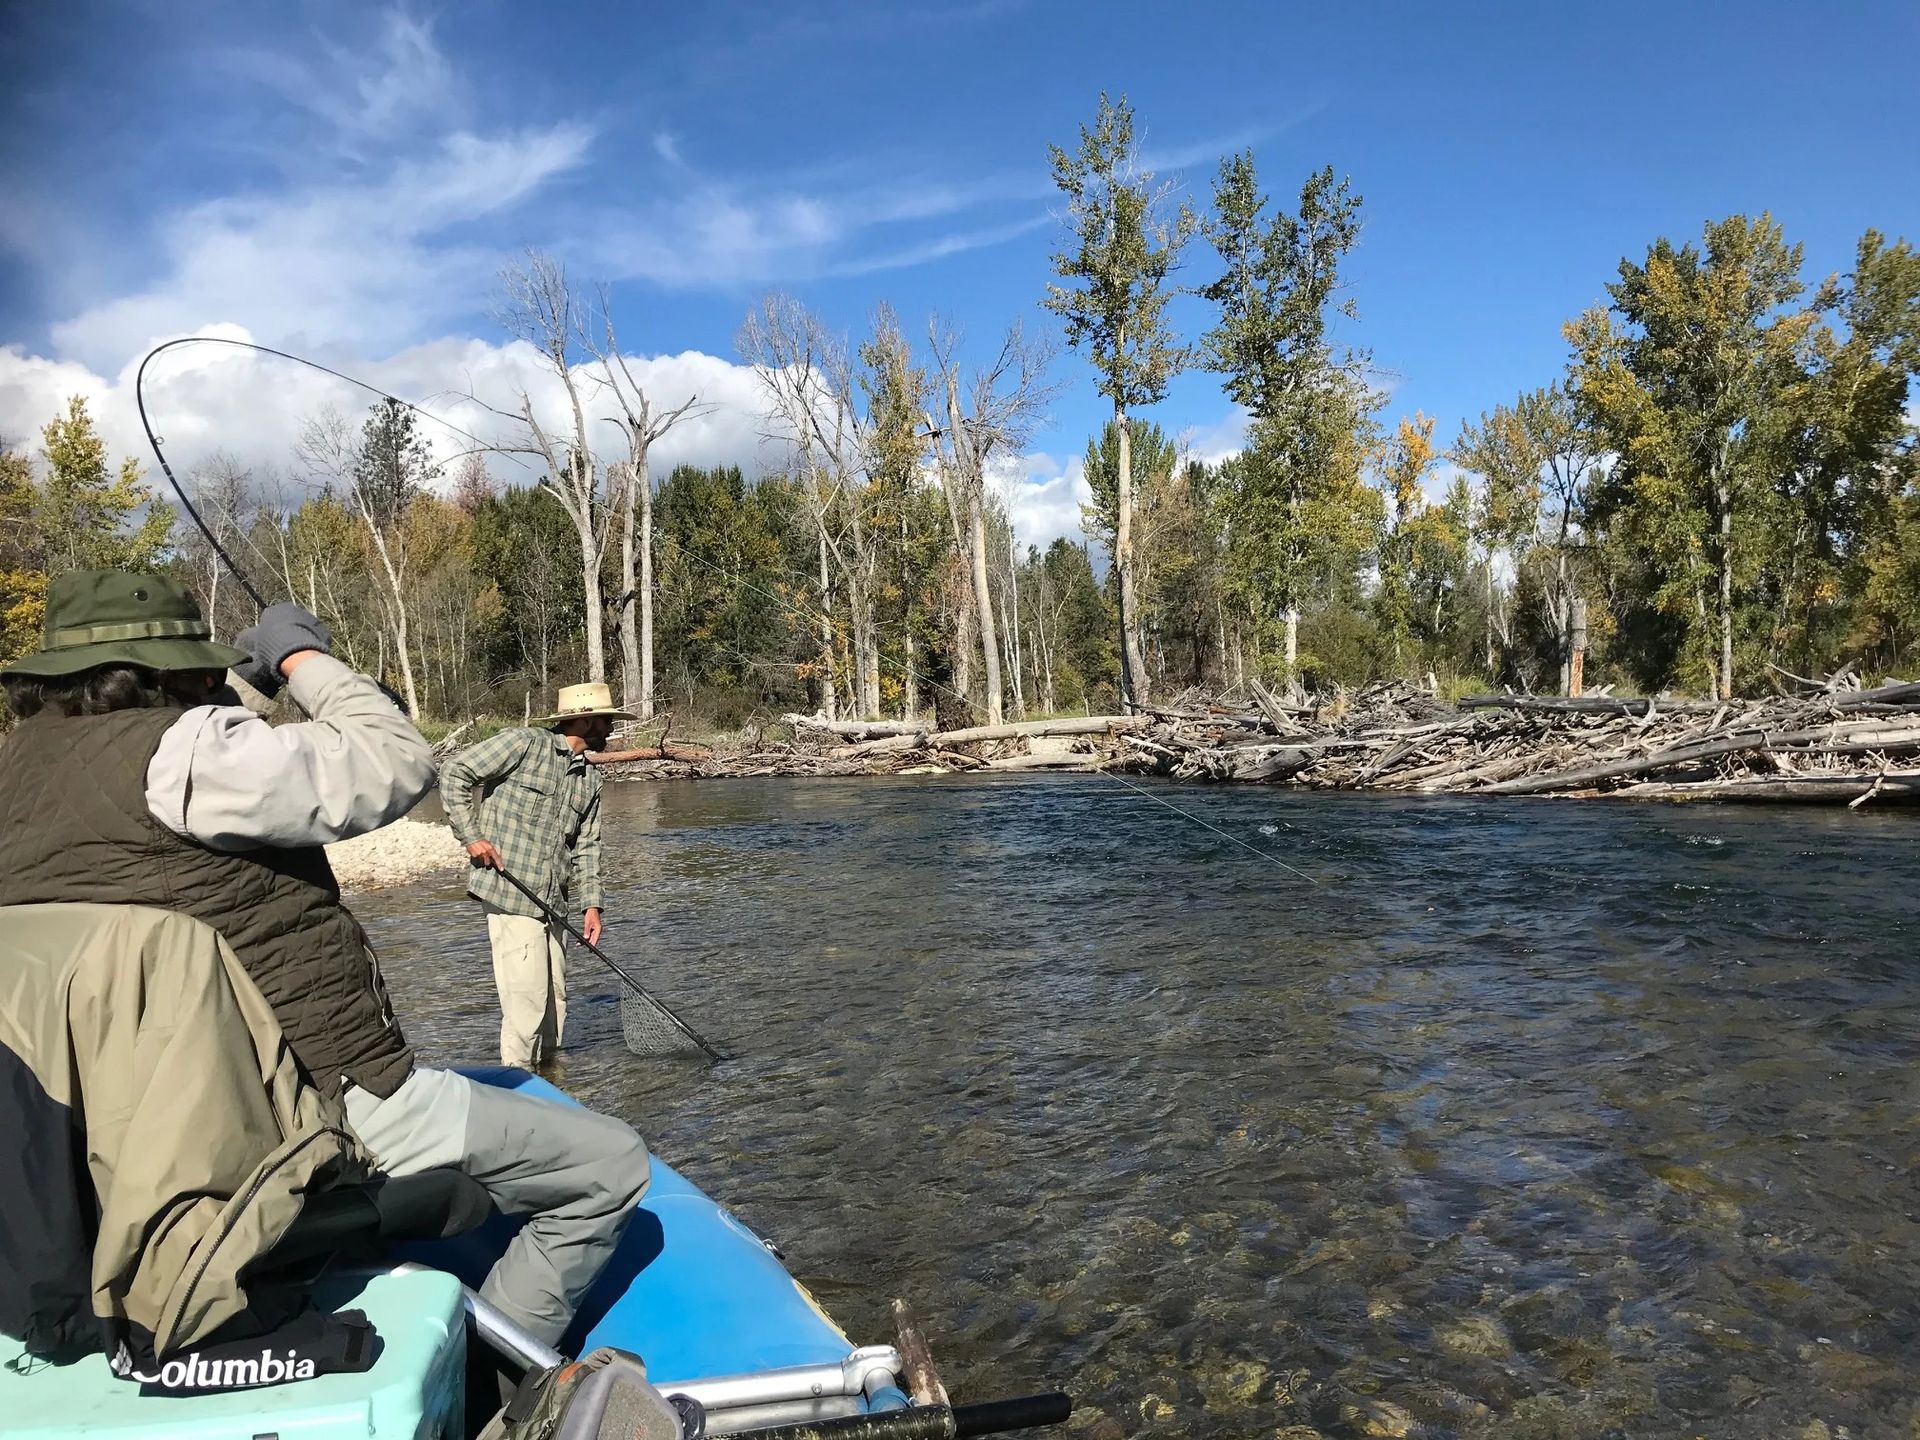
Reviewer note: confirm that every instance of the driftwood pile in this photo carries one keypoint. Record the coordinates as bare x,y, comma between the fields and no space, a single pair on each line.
1830,744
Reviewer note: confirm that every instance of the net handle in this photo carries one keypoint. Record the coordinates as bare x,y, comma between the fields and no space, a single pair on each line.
553,917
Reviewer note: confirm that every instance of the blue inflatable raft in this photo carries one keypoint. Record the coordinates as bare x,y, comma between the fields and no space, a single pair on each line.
691,1290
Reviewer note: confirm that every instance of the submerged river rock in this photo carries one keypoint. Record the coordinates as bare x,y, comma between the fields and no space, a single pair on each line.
1513,1119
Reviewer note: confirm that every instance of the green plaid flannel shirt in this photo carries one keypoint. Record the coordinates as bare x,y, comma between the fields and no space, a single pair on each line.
539,804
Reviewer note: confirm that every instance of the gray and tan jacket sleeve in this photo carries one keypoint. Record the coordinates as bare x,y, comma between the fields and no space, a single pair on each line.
225,778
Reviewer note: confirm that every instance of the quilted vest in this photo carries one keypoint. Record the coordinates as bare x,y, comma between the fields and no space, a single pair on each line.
74,827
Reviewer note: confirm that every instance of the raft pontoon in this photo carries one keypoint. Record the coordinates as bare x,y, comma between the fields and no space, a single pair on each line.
695,1293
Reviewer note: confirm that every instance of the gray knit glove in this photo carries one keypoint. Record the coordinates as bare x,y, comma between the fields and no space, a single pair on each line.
282,630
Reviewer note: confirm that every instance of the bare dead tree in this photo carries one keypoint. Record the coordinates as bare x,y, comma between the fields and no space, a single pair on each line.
808,378
539,308
223,494
631,498
988,413
332,453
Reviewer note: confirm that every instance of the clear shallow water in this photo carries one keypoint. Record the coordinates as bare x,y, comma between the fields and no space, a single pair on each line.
1528,1119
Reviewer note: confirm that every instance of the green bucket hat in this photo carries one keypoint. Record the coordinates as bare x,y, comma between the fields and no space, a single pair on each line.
116,617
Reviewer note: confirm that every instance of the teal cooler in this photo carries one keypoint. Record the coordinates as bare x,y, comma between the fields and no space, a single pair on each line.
415,1390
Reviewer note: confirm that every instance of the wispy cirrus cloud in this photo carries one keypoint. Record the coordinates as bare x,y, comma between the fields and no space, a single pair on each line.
366,265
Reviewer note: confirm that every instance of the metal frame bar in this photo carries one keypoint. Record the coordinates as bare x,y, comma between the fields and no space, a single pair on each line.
505,1336
870,1366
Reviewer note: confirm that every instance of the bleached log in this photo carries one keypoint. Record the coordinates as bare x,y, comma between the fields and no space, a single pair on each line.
1023,729
1875,734
854,729
1589,704
1891,787
1015,763
911,741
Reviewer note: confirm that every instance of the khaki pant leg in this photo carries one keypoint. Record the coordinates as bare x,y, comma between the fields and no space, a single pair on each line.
522,972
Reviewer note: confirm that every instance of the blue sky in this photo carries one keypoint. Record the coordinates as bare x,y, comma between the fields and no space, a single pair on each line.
345,180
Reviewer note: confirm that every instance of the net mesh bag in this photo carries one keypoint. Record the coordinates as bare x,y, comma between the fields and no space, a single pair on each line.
648,1029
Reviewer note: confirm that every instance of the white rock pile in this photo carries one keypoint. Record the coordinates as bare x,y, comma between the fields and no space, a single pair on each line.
405,850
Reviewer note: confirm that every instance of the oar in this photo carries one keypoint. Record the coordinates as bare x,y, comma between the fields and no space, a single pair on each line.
553,917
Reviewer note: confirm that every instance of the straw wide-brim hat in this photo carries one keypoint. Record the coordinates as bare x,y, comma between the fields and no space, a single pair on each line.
119,617
586,702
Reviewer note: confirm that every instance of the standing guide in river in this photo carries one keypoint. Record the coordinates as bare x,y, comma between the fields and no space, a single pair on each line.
539,822
132,779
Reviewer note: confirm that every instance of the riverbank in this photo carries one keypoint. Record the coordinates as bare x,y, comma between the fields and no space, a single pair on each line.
394,855
1833,744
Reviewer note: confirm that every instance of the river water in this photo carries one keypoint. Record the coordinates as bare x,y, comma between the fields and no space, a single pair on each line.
1530,1118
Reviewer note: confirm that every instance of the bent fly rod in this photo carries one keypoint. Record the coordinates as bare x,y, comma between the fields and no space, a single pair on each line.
652,1034
787,604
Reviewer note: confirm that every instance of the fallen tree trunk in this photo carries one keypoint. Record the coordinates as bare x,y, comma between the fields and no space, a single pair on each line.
1015,763
1585,705
1893,787
976,734
854,729
1757,739
910,741
1033,729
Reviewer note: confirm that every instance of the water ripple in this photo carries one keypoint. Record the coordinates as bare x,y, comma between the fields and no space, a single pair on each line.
1530,1119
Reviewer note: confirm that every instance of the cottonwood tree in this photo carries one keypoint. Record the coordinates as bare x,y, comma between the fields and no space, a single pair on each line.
1848,449
1125,239
1535,460
894,389
1504,512
1160,506
1404,465
1681,376
1295,503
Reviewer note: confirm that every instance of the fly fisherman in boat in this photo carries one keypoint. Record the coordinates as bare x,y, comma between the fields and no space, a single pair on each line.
526,802
133,779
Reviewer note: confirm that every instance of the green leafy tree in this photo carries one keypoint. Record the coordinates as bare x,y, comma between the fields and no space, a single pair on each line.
1152,456
734,605
23,568
1435,543
523,544
1296,509
1077,667
1404,466
1501,451
1684,378
1119,265
92,516
1177,546
895,392
1847,451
